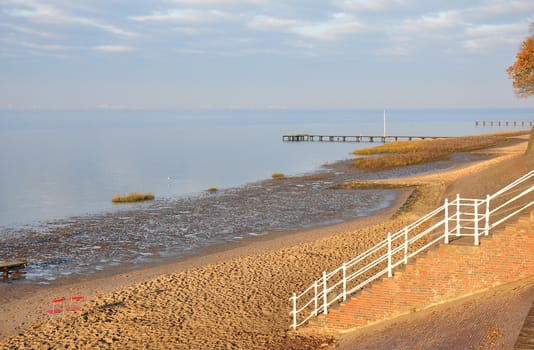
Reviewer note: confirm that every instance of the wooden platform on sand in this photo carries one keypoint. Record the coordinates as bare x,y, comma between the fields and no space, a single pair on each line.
9,266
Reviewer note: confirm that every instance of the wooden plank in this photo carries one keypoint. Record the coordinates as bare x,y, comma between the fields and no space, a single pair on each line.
13,264
8,266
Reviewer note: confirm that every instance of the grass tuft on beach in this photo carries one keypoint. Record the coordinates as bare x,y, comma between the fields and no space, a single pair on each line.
132,197
278,176
403,153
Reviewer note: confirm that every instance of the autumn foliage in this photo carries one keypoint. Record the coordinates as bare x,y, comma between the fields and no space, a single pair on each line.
522,71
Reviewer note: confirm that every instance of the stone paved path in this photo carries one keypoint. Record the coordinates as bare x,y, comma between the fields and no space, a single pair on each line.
487,320
526,336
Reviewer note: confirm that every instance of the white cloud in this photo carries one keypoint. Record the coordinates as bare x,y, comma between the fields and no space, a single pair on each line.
186,16
370,5
486,36
192,30
112,48
47,54
267,23
486,43
11,41
466,29
495,30
38,12
106,27
34,49
27,30
30,9
258,51
194,3
45,47
304,45
393,51
437,21
338,25
331,29
504,7
190,51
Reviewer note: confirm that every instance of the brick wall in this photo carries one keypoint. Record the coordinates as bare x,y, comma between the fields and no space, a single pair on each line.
443,274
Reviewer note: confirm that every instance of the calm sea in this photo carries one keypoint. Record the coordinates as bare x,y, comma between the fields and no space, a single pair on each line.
58,164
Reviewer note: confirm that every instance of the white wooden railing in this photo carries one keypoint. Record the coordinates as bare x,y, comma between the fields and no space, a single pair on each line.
461,217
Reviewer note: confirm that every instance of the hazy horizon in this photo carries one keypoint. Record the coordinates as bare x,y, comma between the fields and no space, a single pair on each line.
267,109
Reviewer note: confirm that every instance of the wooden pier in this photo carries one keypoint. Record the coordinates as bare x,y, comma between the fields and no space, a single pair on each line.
361,138
8,267
514,123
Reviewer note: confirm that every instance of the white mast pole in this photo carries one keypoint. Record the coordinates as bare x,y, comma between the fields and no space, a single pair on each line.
384,124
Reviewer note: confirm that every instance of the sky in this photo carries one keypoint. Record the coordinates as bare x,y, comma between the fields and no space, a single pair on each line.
260,54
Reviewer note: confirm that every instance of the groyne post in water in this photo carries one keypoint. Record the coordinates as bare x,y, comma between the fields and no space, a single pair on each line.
515,123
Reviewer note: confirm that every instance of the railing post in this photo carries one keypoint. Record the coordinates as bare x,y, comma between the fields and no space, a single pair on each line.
390,274
294,310
446,206
316,302
344,267
458,215
486,225
476,220
325,295
405,245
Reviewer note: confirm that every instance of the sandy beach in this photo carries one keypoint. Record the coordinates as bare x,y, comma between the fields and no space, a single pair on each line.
236,296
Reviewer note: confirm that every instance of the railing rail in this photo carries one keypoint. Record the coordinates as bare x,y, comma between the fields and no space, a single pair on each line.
461,217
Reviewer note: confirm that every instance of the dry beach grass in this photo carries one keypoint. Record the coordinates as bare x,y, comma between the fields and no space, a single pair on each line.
236,299
395,154
132,197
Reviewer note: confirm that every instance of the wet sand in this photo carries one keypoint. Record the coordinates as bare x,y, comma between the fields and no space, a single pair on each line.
235,298
21,304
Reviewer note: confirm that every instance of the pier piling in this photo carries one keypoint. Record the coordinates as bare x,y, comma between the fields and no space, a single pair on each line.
350,138
501,123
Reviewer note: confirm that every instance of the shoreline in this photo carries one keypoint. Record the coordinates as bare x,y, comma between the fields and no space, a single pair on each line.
273,258
169,231
24,296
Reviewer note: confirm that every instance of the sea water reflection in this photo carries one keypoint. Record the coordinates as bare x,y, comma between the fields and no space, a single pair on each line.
58,164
